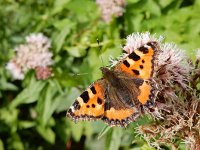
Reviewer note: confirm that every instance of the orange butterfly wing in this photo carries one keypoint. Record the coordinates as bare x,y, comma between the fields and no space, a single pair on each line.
93,103
140,64
90,104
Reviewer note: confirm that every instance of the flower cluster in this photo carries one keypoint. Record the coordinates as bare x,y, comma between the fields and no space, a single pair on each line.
137,39
34,54
110,8
177,102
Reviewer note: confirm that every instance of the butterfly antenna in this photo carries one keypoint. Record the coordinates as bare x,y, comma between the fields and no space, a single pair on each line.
100,52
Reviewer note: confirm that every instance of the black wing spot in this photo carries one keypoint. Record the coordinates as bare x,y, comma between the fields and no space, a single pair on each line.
88,106
93,90
141,66
143,61
93,105
134,56
85,96
70,111
99,101
76,105
126,63
144,50
136,72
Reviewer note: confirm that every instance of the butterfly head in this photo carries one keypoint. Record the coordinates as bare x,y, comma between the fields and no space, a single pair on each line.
104,70
107,73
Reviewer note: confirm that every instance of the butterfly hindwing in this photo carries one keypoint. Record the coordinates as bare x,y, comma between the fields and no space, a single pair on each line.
90,104
121,106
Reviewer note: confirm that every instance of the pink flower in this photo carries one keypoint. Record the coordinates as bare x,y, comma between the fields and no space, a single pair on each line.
34,53
110,8
15,70
137,40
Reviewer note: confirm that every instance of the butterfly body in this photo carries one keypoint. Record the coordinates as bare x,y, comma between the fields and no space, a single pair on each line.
117,98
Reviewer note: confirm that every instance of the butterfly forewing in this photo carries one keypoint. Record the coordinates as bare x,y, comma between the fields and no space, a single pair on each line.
139,63
90,104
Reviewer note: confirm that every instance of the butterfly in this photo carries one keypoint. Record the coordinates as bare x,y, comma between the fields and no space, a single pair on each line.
123,92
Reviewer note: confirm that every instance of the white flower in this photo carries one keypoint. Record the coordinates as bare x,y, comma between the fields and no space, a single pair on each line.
15,70
34,53
174,63
39,40
137,40
110,8
198,54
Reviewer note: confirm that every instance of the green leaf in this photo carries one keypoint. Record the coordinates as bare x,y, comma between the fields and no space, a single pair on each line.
77,130
115,139
59,6
66,29
84,10
146,147
29,94
1,145
6,85
26,124
67,99
14,142
104,131
76,51
9,117
153,8
47,133
63,128
49,101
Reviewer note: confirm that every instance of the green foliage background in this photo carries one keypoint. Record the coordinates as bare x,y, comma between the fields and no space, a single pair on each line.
32,113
